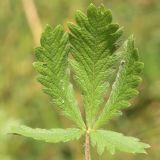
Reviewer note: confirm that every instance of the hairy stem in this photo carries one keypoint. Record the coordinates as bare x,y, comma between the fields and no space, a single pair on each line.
87,146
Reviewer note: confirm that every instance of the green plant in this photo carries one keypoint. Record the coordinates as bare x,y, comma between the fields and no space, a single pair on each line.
93,43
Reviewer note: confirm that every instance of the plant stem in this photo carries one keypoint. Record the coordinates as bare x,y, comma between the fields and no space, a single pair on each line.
87,145
33,19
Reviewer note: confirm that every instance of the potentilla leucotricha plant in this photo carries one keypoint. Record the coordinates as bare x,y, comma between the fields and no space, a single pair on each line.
92,42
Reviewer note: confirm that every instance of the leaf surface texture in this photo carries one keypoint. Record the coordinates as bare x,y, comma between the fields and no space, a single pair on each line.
50,136
113,141
93,40
126,82
52,64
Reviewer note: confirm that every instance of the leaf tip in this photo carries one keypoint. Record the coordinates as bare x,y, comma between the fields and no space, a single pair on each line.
91,9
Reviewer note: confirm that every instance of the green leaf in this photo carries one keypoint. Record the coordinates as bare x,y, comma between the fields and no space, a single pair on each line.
124,87
53,68
116,141
50,136
93,42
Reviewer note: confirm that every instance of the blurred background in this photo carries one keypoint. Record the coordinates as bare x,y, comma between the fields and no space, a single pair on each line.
21,98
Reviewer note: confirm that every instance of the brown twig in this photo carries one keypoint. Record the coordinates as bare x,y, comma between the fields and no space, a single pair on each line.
33,19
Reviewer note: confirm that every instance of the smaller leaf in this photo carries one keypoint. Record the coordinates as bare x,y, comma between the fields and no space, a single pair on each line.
125,84
51,136
52,64
116,141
